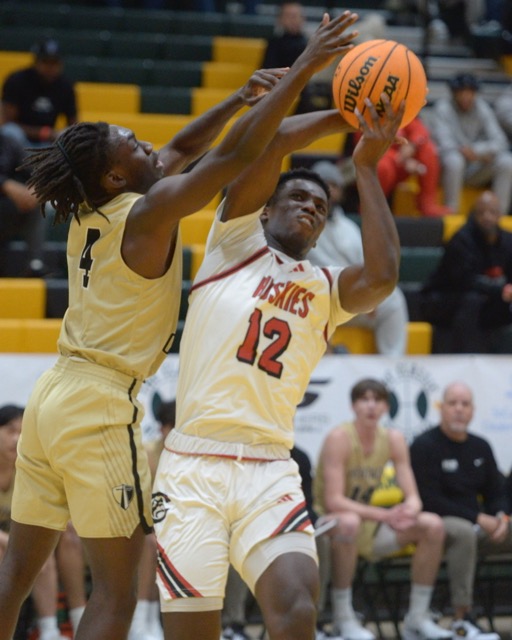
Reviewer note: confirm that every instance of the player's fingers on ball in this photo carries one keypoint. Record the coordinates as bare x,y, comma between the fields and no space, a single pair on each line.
373,111
362,122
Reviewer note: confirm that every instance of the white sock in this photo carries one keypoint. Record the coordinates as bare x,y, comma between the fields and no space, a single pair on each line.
342,604
419,601
48,627
75,615
141,614
154,612
155,623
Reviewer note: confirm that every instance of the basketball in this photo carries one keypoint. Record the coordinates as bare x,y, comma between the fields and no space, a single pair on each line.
375,67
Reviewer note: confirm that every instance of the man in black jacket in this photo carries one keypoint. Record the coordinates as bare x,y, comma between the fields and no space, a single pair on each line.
470,292
458,479
19,212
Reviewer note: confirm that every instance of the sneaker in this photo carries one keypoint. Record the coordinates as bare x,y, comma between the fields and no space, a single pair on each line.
424,629
322,634
467,628
234,632
354,630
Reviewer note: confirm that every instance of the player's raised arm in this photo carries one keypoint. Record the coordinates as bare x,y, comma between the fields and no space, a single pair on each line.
175,197
252,189
362,287
198,136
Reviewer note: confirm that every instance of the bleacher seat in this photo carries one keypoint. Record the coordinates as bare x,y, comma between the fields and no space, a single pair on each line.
56,297
359,340
204,98
417,263
188,47
105,97
225,75
197,257
22,298
247,51
29,335
155,128
453,223
166,100
420,232
195,228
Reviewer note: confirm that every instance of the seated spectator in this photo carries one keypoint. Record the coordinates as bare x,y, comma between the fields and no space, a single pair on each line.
285,46
416,157
470,291
473,148
340,244
458,479
350,467
503,109
33,98
460,16
44,593
20,217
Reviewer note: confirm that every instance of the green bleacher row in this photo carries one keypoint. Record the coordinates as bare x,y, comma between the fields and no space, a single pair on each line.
66,16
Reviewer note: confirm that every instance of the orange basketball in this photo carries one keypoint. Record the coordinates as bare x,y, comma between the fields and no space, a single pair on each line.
376,67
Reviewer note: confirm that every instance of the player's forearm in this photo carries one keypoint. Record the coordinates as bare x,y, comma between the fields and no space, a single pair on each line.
197,137
250,135
381,243
297,132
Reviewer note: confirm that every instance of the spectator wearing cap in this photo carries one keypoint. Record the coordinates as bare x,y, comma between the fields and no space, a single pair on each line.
473,147
340,244
33,98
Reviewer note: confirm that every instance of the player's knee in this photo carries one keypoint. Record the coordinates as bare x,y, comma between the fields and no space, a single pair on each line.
348,527
296,620
433,527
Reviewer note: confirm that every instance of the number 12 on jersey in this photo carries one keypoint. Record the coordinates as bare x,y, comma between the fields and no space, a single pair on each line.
276,330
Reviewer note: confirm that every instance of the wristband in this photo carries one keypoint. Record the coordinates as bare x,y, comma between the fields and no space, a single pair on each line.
45,133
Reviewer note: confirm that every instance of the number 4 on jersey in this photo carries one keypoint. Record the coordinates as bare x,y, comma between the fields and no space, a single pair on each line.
86,258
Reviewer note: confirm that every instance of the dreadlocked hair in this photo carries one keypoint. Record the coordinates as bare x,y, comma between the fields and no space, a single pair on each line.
68,173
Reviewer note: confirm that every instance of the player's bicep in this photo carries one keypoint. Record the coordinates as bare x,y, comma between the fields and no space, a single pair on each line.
355,294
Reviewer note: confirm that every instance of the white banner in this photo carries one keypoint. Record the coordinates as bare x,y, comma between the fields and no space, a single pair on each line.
416,384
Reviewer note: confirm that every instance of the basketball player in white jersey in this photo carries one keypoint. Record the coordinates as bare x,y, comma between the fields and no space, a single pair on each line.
258,322
80,454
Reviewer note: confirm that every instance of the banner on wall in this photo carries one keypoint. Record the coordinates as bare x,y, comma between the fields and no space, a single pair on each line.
416,385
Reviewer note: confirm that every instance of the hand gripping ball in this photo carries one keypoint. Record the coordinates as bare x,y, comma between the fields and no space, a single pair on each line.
376,67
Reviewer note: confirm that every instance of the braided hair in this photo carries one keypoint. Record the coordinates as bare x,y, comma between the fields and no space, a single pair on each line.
67,173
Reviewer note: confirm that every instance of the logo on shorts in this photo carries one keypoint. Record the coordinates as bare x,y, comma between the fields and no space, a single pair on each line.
123,495
159,506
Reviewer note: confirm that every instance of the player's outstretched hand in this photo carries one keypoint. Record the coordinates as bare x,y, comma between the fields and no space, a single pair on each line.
330,40
260,83
378,137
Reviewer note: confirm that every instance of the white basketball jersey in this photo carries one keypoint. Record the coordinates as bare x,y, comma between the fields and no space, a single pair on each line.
257,325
